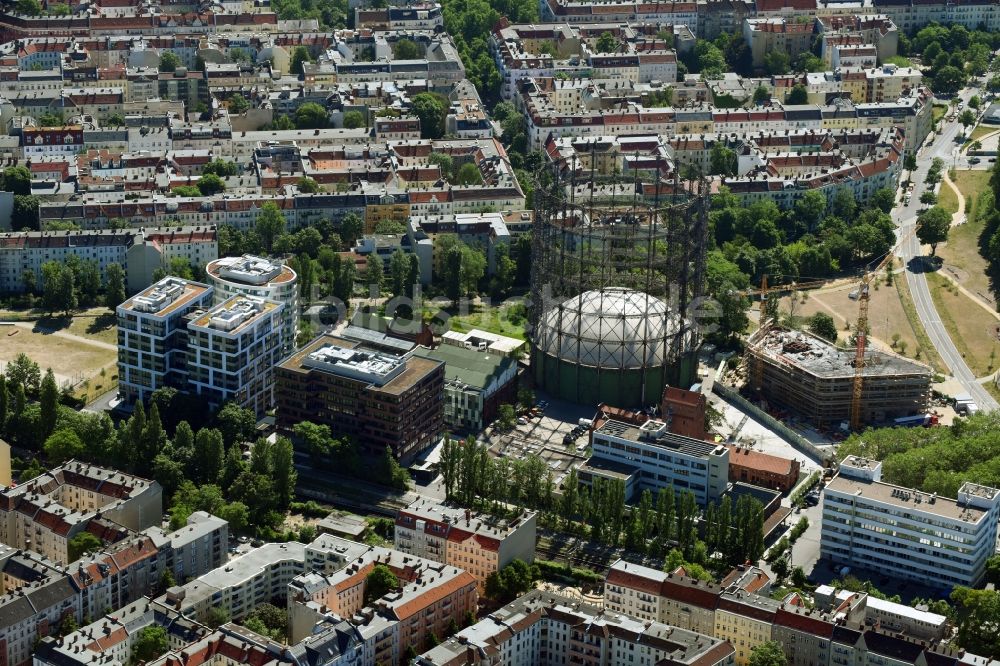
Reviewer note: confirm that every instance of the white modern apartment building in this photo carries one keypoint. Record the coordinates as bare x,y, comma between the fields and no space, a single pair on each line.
232,351
649,456
906,533
479,543
260,278
152,336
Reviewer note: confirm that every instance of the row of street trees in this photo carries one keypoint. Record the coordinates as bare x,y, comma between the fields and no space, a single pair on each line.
473,478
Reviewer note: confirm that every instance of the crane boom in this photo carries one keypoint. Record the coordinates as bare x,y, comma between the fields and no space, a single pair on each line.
861,336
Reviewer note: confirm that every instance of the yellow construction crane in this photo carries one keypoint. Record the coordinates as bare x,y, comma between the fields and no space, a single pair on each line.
757,368
861,329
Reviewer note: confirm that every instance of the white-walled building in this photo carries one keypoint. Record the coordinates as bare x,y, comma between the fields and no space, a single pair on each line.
232,351
260,278
659,459
906,533
152,336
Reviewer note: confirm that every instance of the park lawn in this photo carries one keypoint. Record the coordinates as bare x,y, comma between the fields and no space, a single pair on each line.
938,112
972,329
962,249
947,198
72,361
887,317
979,132
102,327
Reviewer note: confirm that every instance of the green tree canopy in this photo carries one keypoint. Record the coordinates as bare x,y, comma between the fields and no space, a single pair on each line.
431,110
797,95
380,582
354,120
311,116
169,61
406,49
63,445
150,644
933,226
768,653
82,543
607,43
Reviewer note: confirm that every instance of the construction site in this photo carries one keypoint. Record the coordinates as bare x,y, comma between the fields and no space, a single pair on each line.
815,379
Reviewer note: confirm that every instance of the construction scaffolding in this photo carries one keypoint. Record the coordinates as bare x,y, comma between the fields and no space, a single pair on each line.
617,262
815,379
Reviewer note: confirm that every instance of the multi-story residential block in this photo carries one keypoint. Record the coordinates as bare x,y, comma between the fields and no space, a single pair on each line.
379,400
477,542
590,11
567,50
658,596
36,599
153,337
769,34
194,549
656,458
906,533
581,109
890,82
43,514
329,613
871,30
546,629
418,16
430,596
476,383
243,583
911,15
138,252
904,619
232,350
260,278
844,633
345,60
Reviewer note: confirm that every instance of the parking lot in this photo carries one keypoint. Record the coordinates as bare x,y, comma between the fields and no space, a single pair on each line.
544,436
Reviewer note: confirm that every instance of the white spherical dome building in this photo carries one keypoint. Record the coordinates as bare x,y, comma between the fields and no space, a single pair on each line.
611,345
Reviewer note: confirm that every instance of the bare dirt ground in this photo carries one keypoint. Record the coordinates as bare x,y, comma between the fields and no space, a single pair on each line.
73,358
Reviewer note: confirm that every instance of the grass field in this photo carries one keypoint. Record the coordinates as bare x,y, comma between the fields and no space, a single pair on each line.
887,317
497,320
947,198
979,132
72,361
938,112
972,329
962,260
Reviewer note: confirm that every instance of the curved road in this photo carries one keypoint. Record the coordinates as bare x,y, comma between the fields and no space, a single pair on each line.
944,146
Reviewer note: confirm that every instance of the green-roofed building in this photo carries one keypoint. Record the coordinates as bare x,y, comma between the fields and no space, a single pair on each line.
476,384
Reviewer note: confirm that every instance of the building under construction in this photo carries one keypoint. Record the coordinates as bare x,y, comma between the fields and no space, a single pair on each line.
815,379
617,266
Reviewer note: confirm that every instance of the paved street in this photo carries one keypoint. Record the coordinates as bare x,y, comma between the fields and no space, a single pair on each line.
944,146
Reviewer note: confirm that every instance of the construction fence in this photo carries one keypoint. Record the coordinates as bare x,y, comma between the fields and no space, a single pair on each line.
799,442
